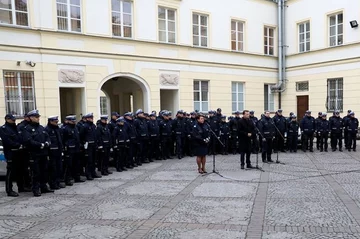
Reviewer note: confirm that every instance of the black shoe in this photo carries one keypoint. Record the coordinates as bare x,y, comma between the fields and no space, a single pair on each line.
104,173
47,190
295,151
242,167
270,161
62,185
96,176
326,150
335,150
37,193
146,161
69,183
264,161
249,166
24,190
311,150
320,150
349,150
12,194
124,169
79,180
291,151
354,150
151,160
130,167
109,172
340,150
55,187
119,170
135,165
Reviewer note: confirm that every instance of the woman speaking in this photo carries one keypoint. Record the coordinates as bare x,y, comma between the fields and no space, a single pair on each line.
201,138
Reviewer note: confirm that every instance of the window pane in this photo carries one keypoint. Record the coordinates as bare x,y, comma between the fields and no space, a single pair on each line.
203,20
302,49
240,97
171,37
196,41
233,36
271,42
240,36
203,31
233,106
27,94
241,106
195,19
204,86
233,45
195,30
6,4
6,17
20,5
308,36
115,5
21,19
265,31
271,32
128,32
205,106
240,87
162,36
233,86
240,46
340,29
332,31
197,106
171,26
116,30
301,28
266,50
126,7
271,51
75,12
308,26
333,41
162,25
127,19
62,24
76,25
233,25
196,96
61,10
302,37
332,20
204,96
116,18
241,26
171,15
340,18
204,41
196,85
233,97
161,13
308,46
75,2
340,40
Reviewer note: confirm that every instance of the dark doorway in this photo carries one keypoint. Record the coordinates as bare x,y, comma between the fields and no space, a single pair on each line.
302,106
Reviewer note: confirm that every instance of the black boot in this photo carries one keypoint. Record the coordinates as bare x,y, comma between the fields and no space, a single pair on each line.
12,194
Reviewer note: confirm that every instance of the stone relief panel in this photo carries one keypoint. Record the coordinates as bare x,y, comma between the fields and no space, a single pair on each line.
71,76
169,79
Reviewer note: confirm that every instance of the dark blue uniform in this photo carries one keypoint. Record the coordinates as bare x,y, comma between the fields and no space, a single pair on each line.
165,132
255,142
336,128
55,164
131,132
71,142
214,123
352,125
154,133
103,142
11,140
323,129
200,133
121,143
37,141
88,140
224,136
24,155
142,139
179,129
308,128
280,123
234,133
267,130
292,135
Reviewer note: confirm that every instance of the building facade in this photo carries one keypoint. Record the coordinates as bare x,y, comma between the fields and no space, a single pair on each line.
75,56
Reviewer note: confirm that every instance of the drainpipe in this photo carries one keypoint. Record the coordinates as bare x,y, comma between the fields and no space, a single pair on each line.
280,86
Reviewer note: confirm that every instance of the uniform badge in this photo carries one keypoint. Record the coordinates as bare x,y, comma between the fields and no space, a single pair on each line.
33,130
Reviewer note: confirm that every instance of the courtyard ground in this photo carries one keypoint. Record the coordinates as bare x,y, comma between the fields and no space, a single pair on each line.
314,195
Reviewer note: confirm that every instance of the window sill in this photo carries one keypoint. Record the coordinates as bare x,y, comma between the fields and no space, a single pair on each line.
123,38
201,47
70,32
236,51
14,26
168,43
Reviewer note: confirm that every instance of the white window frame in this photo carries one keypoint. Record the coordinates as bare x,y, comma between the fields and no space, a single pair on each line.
200,36
338,103
302,82
167,20
237,91
336,26
306,40
270,98
122,26
237,32
19,87
103,105
13,14
267,38
68,16
201,101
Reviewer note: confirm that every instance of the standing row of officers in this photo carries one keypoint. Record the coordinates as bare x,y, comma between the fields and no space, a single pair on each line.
43,159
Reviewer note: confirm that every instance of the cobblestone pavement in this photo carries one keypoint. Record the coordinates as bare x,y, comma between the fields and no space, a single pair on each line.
312,195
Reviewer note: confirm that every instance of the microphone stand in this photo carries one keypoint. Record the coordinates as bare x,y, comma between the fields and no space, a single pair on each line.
213,133
257,167
277,151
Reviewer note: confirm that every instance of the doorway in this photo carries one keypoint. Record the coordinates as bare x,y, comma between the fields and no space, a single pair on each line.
302,106
169,100
72,102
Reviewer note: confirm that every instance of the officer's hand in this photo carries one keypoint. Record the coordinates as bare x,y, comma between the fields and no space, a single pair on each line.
249,134
100,147
47,144
62,154
115,147
20,146
42,146
264,140
111,150
128,140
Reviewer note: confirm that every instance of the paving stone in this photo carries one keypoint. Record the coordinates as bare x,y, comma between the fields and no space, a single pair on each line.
126,175
174,175
92,187
10,228
286,235
225,189
154,188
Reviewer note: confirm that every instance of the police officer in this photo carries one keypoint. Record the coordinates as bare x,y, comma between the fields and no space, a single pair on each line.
121,143
214,123
71,142
189,142
88,140
254,139
56,177
82,157
112,123
224,134
179,129
267,130
323,129
246,129
143,136
318,136
131,132
336,128
165,131
154,132
37,141
308,128
234,126
104,145
352,125
346,133
292,133
280,123
11,140
24,154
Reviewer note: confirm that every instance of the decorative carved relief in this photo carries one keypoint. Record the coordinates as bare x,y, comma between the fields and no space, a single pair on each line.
169,79
71,76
